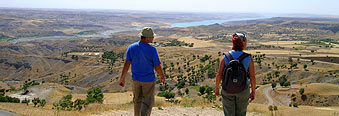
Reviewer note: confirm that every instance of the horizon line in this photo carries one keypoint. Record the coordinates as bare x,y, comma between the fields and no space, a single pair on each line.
168,11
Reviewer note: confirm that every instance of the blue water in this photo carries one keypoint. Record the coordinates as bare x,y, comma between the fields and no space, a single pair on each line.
210,22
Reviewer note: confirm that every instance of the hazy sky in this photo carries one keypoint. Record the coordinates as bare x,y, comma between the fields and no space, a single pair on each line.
326,7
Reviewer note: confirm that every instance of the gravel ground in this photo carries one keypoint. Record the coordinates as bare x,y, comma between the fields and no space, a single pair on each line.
177,111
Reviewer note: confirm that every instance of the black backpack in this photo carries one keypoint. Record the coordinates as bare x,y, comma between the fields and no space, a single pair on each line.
234,75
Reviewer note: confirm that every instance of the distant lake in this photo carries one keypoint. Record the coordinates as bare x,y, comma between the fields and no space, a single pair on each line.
210,22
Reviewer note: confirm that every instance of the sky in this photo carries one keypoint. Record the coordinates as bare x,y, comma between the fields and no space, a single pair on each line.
320,7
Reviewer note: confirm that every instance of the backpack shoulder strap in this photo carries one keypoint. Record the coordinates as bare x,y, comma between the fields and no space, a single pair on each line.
228,56
243,56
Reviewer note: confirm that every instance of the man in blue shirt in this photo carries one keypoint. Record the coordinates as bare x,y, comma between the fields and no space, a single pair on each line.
144,59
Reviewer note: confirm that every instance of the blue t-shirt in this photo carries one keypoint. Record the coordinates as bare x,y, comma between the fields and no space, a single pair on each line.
236,54
143,58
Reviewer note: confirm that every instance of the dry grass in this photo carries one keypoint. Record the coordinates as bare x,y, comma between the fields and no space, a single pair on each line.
111,98
24,110
198,43
282,42
321,89
289,111
272,52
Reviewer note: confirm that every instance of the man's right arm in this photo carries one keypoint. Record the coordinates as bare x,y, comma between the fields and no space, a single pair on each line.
124,72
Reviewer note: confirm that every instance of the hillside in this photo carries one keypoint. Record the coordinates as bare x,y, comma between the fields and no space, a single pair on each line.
292,53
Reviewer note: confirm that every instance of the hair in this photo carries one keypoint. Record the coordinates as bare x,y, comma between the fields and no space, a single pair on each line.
238,44
142,37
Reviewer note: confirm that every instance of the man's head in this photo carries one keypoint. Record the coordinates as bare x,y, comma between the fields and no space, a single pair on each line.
147,34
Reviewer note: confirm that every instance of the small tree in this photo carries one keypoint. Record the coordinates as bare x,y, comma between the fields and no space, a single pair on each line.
301,91
270,108
35,101
290,60
275,108
274,85
25,101
202,90
305,66
65,103
79,104
166,94
180,84
287,83
187,91
42,103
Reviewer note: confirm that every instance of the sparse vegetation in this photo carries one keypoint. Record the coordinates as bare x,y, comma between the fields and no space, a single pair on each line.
95,95
25,101
301,91
9,99
29,83
166,94
274,85
177,43
5,38
91,32
207,93
35,101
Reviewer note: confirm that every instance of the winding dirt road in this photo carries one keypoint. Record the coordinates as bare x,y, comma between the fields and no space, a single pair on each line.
280,100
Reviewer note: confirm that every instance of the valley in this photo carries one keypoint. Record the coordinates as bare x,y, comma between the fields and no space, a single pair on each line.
293,52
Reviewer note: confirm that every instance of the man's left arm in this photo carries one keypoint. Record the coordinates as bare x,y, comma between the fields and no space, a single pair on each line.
161,74
157,66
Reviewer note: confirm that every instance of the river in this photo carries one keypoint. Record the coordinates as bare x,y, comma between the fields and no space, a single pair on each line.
210,22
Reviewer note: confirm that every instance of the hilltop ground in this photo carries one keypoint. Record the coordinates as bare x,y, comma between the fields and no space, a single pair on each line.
265,94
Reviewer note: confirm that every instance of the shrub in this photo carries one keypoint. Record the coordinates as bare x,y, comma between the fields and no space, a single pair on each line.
163,87
66,103
12,99
166,94
29,83
3,99
301,91
293,95
174,101
205,89
35,101
180,84
202,90
287,83
274,85
210,97
94,95
42,103
25,101
78,104
187,91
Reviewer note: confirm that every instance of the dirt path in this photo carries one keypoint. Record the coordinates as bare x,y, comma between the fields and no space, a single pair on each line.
5,113
42,93
177,111
301,59
266,92
279,100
